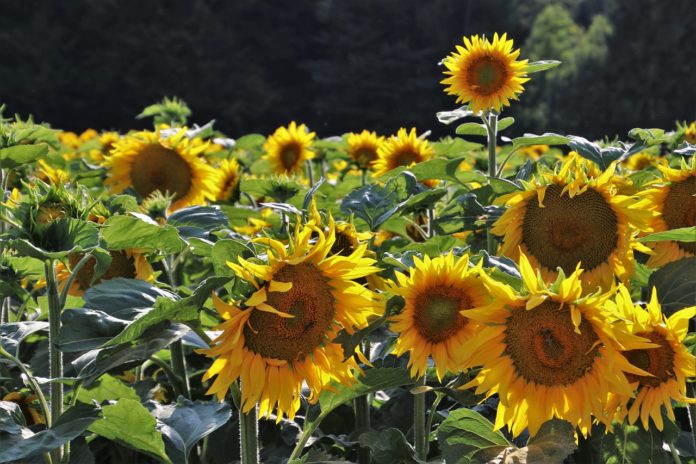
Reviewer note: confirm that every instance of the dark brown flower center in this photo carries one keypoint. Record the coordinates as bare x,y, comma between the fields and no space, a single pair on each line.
364,156
487,75
160,168
309,300
568,231
679,208
436,312
121,266
658,361
544,347
289,156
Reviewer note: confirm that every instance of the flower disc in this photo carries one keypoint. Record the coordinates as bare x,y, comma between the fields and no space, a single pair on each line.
363,148
679,208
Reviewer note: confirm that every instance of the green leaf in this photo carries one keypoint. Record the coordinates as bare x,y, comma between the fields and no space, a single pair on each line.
648,137
62,237
187,422
169,310
631,444
554,442
541,65
122,232
107,388
684,234
197,221
12,333
227,250
374,203
130,424
445,169
472,128
675,285
71,424
547,138
389,447
466,437
11,418
434,246
19,155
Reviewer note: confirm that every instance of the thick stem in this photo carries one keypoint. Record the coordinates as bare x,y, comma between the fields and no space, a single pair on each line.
361,406
55,355
419,433
179,367
691,393
431,415
310,172
5,310
73,275
491,124
363,177
248,436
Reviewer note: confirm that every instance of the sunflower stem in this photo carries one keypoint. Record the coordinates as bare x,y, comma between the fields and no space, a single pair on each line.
55,355
491,123
431,416
33,384
310,172
179,367
73,275
420,435
361,405
691,408
363,177
248,435
675,454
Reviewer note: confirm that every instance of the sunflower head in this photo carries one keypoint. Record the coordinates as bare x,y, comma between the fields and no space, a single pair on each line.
549,352
403,149
162,161
29,405
283,334
437,292
228,189
667,362
673,199
288,148
574,215
363,148
485,74
690,133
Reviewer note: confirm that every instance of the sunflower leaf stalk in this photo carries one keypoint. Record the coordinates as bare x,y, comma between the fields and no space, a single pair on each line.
361,405
55,355
420,434
248,436
691,393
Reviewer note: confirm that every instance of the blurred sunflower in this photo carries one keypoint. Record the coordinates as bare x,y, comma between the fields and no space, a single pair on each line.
149,161
228,187
573,216
283,334
363,148
534,152
549,352
29,405
288,148
486,74
674,201
129,264
690,133
402,149
51,175
642,160
669,362
437,292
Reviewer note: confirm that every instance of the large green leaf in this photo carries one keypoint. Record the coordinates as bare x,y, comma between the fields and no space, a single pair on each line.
62,237
547,138
18,155
631,444
684,234
197,221
187,422
107,388
227,250
389,447
541,65
472,128
12,333
71,424
466,437
675,285
130,424
121,232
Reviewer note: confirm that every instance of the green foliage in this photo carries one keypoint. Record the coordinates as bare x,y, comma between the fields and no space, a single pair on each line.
674,284
125,232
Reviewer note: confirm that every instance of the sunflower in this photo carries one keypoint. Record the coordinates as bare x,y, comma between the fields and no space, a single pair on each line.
571,216
642,160
669,363
130,264
283,334
437,292
534,152
363,147
402,149
149,161
674,201
690,133
485,74
549,352
29,405
288,148
228,180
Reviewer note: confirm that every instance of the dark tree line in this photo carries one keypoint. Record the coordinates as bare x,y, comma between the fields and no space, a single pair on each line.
341,65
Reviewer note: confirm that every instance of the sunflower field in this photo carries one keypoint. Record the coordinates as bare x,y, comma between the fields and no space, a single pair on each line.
175,295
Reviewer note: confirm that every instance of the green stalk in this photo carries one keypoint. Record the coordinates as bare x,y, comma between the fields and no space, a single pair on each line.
491,123
429,424
248,436
363,177
55,355
179,367
691,408
310,172
419,432
361,405
73,275
45,409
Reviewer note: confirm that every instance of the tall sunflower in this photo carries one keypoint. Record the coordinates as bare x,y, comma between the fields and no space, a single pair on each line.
402,149
363,148
149,161
549,353
485,74
288,148
674,201
228,180
669,363
283,334
573,216
437,292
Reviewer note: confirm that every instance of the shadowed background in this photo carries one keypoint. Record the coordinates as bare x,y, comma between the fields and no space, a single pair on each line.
342,65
